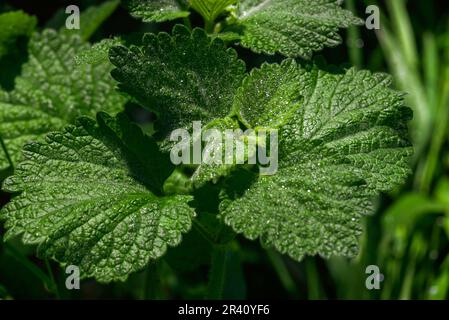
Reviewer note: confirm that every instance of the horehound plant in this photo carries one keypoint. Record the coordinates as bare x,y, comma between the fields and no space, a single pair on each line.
92,189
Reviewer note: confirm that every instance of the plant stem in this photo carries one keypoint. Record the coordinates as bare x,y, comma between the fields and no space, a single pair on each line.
401,22
54,285
313,279
184,7
218,273
203,231
355,53
209,26
441,126
13,252
151,282
187,23
282,272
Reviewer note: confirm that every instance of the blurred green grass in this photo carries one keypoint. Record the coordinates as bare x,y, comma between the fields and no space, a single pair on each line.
408,236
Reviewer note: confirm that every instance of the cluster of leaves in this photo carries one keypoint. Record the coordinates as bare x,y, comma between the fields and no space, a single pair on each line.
103,195
409,237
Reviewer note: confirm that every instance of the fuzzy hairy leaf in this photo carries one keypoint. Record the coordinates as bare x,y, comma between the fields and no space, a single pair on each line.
211,9
263,103
91,196
158,10
52,91
294,28
22,123
98,53
12,26
4,161
212,172
345,143
183,78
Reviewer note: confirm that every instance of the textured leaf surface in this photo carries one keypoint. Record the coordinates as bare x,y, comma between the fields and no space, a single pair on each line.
52,91
208,171
183,78
98,53
269,97
12,26
293,28
158,10
20,124
211,9
346,141
90,196
4,161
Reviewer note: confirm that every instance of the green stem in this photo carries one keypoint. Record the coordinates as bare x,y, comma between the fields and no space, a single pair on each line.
13,252
439,135
217,273
203,231
54,285
187,23
403,26
313,279
282,272
355,53
151,282
185,7
209,26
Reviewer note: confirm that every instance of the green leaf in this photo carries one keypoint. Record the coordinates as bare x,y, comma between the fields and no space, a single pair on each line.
183,78
14,25
90,196
98,53
92,18
158,10
20,124
294,28
15,30
211,9
442,192
406,211
346,142
446,226
440,285
4,158
212,172
52,91
276,89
